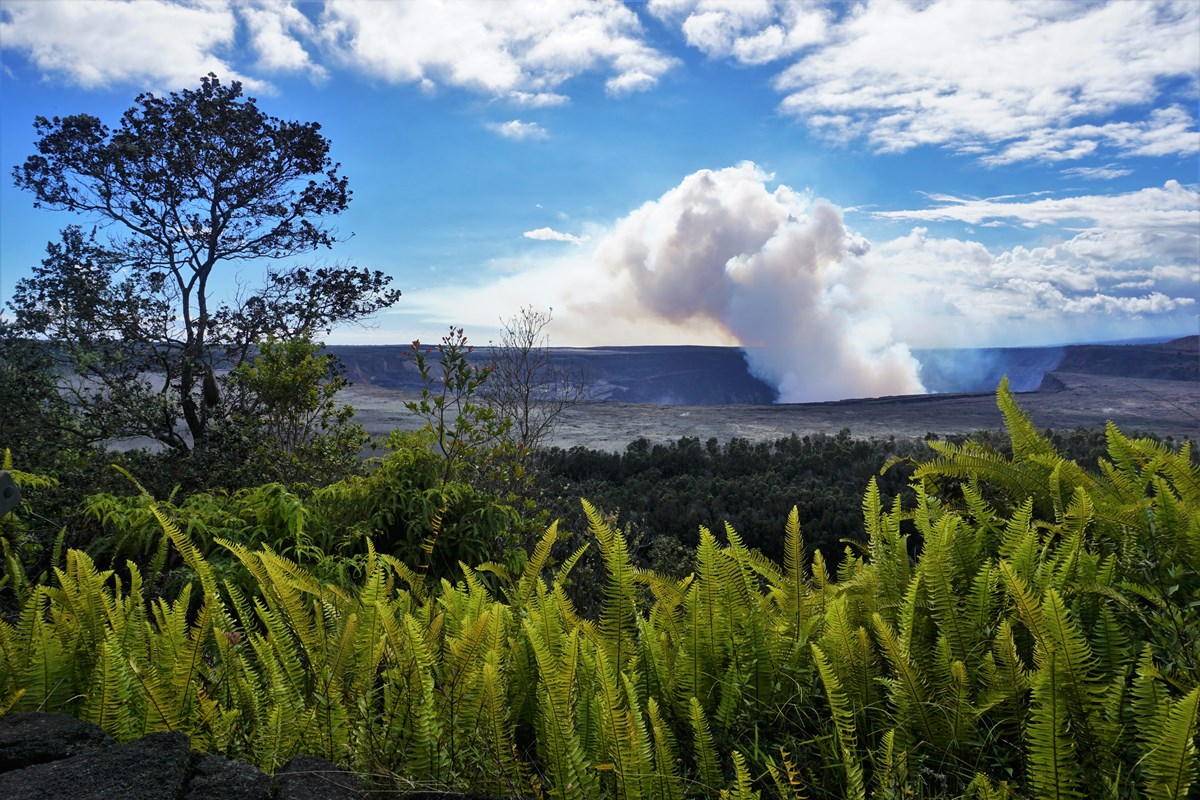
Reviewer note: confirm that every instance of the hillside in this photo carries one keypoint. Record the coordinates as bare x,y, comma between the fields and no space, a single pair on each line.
1086,396
720,375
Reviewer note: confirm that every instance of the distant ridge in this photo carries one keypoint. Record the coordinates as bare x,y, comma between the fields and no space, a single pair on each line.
698,375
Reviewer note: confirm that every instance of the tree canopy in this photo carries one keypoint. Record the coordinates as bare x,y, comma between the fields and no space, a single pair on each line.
185,184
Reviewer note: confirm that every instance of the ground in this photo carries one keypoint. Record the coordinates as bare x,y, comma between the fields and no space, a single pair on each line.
1066,401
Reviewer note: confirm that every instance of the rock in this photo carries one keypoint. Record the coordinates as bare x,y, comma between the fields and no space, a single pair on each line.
32,738
54,757
217,778
152,768
312,778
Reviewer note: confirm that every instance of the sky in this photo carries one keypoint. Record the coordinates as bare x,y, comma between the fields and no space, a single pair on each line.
830,185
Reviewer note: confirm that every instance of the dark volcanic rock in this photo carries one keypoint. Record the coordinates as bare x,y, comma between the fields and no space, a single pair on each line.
1176,360
29,739
312,778
54,757
152,768
216,778
689,375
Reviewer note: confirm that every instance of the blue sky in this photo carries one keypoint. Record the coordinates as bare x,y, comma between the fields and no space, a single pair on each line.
839,182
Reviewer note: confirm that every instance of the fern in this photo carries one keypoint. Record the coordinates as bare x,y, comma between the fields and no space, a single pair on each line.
703,749
1170,764
667,783
1052,768
843,726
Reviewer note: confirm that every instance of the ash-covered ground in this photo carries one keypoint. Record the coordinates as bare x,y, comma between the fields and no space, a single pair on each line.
664,393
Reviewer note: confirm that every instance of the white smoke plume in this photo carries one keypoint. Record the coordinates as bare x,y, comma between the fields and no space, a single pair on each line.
770,271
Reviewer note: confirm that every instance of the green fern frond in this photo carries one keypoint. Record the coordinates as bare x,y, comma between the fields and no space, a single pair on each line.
1170,764
703,750
843,725
667,782
1051,757
908,689
1026,441
741,781
787,780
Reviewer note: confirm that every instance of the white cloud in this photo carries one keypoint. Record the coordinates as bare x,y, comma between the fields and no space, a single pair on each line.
551,235
1107,172
1002,80
274,25
1173,207
1016,80
1153,303
1125,258
748,31
527,47
727,258
156,44
516,129
520,50
538,99
1098,284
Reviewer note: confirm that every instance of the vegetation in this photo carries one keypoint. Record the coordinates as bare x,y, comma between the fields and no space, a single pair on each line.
187,185
1043,642
299,434
525,386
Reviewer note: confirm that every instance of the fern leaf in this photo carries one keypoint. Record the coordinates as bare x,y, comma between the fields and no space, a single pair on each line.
843,725
1051,756
1170,765
703,749
741,780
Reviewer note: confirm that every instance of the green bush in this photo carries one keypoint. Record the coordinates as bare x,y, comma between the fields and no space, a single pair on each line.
1044,643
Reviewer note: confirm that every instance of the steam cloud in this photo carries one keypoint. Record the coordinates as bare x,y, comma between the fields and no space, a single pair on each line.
769,271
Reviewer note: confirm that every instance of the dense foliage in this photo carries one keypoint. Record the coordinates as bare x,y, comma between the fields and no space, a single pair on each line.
1044,643
662,494
185,186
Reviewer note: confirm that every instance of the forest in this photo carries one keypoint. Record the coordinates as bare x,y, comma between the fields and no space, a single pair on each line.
1006,615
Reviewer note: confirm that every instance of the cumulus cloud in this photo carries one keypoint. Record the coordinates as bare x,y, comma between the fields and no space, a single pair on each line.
520,50
726,257
516,129
1004,81
527,47
1096,284
748,31
276,27
551,235
944,73
96,43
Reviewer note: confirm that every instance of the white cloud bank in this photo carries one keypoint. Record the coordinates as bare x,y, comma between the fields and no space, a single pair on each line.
527,47
1004,80
155,44
518,50
727,258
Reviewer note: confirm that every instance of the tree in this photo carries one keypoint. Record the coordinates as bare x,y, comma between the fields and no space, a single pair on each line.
186,184
302,434
466,429
36,422
525,385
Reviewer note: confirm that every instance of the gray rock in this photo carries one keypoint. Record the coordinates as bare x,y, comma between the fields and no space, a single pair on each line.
217,778
33,738
152,768
312,778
